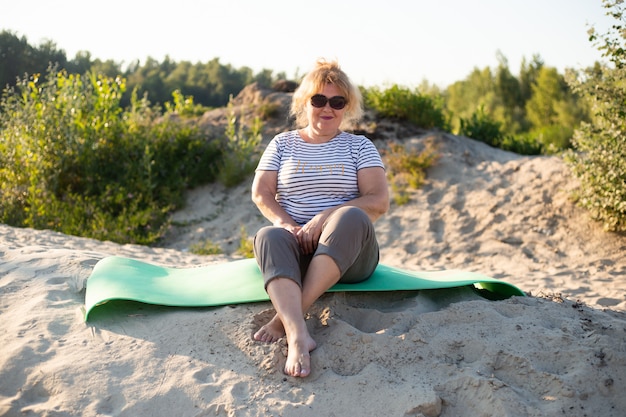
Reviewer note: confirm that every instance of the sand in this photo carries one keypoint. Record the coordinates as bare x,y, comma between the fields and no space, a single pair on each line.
560,351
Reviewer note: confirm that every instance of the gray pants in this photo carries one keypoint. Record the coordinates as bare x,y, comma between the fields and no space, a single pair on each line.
348,238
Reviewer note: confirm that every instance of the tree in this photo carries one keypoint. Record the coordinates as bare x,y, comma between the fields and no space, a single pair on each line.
465,98
528,76
18,58
554,110
508,96
546,92
496,93
15,55
600,158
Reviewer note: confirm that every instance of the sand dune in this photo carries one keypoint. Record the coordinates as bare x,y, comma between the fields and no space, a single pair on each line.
559,351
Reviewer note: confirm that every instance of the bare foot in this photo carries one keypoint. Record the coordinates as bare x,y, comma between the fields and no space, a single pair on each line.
271,332
299,357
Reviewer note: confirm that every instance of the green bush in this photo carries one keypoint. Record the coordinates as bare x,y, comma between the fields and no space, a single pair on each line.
553,138
522,144
599,159
403,104
206,247
73,160
406,169
482,127
184,106
241,149
246,244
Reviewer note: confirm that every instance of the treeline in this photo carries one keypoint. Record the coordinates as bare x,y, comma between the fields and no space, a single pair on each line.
532,113
210,83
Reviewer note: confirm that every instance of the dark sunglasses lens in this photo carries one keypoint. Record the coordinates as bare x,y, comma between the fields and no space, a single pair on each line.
337,102
318,100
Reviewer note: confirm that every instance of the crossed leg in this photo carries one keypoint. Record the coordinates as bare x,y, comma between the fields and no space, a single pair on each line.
290,303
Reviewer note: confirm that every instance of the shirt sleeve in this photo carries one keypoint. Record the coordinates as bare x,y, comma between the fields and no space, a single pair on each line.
270,159
368,155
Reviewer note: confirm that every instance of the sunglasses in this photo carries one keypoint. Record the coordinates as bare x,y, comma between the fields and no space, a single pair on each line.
336,102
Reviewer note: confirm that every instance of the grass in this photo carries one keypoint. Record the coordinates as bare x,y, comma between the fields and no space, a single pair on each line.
406,168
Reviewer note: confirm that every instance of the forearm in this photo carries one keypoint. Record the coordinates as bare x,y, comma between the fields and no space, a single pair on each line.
374,205
264,197
272,211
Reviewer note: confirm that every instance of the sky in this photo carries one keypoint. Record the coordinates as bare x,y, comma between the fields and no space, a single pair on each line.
377,43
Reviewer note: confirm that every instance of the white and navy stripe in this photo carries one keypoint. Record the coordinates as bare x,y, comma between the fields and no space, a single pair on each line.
313,177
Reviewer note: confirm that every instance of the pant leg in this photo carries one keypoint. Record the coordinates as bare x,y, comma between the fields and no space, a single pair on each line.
278,254
349,238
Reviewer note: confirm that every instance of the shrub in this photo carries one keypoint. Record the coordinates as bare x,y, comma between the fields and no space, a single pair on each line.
599,159
268,109
184,105
522,144
482,127
73,160
206,247
554,138
406,169
246,246
241,149
403,104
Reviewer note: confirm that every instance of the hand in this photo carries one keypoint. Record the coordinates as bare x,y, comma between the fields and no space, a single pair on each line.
308,236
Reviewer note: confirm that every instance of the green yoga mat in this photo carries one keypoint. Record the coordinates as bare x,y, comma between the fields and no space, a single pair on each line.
236,282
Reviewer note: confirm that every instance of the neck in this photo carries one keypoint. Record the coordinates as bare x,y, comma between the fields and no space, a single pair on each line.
317,137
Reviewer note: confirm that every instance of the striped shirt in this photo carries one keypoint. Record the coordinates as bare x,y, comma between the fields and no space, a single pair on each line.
315,176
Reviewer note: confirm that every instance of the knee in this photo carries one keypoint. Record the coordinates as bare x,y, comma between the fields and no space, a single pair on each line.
270,234
267,233
349,220
353,216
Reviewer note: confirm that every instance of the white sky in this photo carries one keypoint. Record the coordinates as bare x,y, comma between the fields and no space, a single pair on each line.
376,42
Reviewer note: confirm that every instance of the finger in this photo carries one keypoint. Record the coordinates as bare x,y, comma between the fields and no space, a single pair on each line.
307,243
301,241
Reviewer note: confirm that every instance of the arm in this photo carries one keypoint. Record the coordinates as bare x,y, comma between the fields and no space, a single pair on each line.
373,199
264,196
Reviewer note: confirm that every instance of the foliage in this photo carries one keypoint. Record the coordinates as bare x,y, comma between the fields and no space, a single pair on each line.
482,127
553,110
465,98
496,91
599,160
209,83
535,105
72,160
401,103
406,169
551,139
19,57
522,143
534,113
246,246
184,105
267,109
241,149
206,247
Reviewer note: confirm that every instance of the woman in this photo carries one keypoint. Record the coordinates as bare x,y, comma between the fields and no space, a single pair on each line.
322,189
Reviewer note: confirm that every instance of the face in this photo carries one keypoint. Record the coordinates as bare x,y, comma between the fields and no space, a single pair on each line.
325,120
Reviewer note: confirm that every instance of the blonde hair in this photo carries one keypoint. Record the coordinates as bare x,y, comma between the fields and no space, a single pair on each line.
326,72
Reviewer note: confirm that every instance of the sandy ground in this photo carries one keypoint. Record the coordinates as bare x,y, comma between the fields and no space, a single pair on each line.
560,351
